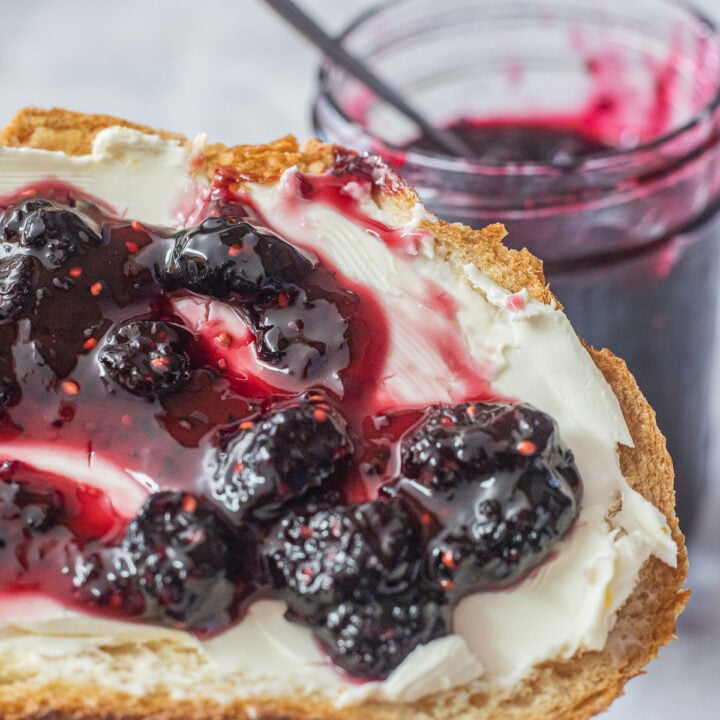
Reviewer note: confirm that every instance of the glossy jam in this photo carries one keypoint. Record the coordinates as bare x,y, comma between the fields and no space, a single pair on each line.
67,402
70,414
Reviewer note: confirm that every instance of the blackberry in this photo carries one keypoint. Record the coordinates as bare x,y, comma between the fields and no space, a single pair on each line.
10,392
49,230
222,256
500,486
353,575
147,357
347,554
225,257
295,449
179,564
306,338
370,639
18,281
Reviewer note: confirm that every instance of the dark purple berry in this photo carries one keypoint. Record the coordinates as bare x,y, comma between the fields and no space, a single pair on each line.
469,441
298,448
306,338
49,230
346,554
353,575
148,357
18,281
500,486
221,256
370,639
179,564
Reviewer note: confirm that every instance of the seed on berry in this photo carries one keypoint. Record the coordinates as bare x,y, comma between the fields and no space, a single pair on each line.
147,358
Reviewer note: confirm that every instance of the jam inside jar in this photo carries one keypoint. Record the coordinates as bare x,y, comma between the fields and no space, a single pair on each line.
594,136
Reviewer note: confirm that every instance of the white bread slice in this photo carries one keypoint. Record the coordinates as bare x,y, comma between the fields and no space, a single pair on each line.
576,688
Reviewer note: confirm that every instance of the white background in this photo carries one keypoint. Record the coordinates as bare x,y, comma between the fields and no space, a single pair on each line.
233,70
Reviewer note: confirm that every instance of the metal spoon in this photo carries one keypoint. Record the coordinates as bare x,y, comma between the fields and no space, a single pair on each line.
445,140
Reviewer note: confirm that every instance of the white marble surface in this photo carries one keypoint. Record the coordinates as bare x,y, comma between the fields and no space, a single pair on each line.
232,70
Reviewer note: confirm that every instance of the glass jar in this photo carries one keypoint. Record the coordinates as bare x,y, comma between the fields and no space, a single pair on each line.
629,226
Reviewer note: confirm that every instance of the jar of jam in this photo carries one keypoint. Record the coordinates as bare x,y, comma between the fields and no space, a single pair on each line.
593,133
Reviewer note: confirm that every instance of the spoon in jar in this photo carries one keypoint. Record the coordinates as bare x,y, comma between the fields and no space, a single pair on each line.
446,141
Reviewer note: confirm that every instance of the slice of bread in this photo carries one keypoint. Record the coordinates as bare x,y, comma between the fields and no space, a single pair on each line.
560,689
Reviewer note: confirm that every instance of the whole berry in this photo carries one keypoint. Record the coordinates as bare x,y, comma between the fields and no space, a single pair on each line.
223,256
306,338
50,230
179,564
147,357
296,448
469,441
500,486
18,281
321,559
370,639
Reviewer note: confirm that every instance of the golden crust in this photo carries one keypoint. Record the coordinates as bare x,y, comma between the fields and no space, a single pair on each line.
562,690
63,130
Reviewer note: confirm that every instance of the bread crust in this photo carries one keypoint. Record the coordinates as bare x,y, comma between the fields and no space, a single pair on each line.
573,689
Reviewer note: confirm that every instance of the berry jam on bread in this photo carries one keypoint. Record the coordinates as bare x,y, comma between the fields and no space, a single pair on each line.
276,442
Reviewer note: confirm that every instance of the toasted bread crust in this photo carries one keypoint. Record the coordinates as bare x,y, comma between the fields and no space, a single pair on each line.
562,690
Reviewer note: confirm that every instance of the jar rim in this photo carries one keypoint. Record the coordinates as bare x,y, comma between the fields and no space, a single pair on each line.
606,160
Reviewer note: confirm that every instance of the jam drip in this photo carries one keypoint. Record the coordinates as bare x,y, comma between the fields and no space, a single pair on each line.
229,380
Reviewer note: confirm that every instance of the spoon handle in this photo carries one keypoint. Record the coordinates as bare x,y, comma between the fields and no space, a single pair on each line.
313,32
